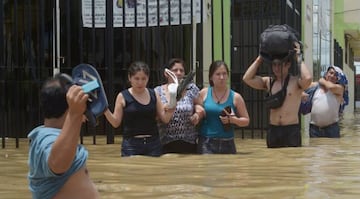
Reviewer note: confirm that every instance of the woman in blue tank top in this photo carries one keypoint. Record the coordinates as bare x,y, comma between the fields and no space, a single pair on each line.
224,108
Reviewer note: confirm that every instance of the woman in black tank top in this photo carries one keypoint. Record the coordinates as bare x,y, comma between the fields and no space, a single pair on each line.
137,108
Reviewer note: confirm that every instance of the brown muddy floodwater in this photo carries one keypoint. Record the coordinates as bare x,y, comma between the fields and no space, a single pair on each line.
327,168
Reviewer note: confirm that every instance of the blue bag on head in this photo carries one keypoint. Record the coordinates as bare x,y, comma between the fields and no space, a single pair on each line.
306,106
88,77
341,79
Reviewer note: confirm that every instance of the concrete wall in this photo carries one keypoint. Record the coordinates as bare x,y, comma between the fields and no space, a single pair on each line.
207,41
339,26
307,32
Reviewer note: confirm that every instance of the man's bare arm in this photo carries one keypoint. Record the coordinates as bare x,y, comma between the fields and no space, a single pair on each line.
250,77
337,89
305,78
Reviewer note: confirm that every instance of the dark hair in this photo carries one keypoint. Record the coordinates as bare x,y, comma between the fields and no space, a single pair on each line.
137,66
170,65
330,67
174,61
214,66
53,98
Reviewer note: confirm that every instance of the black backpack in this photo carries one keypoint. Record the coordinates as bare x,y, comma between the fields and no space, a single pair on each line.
277,42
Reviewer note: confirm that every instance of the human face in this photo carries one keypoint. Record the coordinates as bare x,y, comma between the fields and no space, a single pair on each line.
220,76
179,70
139,80
331,75
280,68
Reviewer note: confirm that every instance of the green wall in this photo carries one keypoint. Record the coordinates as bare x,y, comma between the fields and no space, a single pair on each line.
222,30
340,26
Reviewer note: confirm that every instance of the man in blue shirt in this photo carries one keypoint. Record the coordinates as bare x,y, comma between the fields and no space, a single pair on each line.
57,163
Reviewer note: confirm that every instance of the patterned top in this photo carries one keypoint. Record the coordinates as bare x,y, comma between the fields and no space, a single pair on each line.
180,126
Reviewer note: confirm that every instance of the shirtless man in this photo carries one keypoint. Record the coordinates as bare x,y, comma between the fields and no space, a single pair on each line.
284,128
57,163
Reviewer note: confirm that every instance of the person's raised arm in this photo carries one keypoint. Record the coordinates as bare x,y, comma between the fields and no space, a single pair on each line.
115,118
253,80
337,89
163,112
305,77
63,150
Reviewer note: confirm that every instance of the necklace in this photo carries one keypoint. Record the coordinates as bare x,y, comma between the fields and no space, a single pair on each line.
219,99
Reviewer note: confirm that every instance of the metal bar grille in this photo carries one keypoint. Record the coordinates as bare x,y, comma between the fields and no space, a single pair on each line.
27,46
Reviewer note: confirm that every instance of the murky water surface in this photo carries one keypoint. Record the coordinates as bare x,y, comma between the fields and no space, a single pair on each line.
327,168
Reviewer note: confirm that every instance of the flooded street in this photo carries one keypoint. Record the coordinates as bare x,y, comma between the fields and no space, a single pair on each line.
327,168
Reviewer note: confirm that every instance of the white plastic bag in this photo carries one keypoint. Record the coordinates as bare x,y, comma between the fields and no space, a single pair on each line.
172,88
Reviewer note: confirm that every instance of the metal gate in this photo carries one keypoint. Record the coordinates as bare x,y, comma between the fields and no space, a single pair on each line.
249,19
43,36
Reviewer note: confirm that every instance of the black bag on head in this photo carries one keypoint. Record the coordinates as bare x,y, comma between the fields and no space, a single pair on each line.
277,42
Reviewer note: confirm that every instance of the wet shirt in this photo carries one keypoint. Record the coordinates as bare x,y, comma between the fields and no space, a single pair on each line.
211,125
43,183
180,126
325,108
